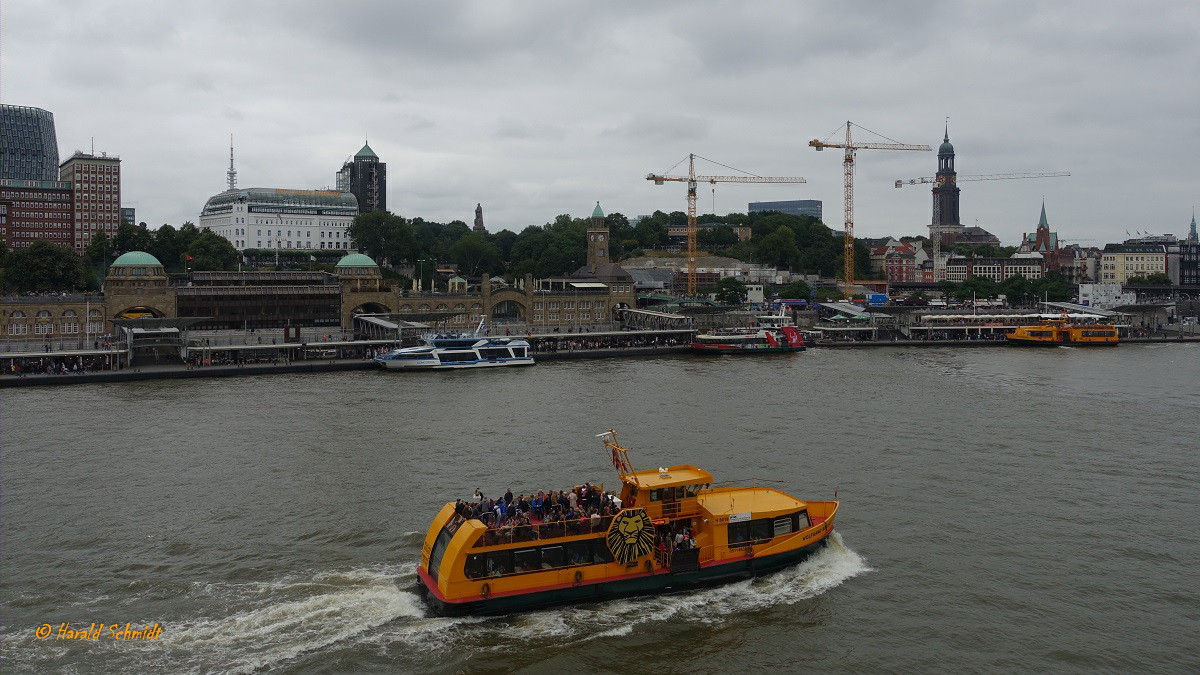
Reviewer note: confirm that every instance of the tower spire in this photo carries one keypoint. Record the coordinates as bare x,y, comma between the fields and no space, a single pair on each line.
1193,236
1042,222
946,138
231,175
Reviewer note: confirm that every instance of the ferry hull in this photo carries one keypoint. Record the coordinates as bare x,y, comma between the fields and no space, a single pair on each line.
1023,342
396,364
645,583
734,349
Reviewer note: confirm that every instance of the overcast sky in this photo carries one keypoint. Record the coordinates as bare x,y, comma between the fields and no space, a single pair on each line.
540,108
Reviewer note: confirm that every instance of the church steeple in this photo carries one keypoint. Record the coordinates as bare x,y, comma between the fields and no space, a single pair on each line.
945,191
1042,221
1192,235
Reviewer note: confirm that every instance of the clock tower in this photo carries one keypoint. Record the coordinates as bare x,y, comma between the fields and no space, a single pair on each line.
945,192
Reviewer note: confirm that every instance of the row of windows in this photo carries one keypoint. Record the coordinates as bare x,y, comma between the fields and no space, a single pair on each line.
308,245
762,530
537,558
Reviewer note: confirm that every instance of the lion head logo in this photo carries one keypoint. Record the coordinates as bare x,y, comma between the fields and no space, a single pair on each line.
631,535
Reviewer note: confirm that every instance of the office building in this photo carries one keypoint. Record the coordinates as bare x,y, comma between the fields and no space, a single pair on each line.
28,144
95,182
794,207
365,177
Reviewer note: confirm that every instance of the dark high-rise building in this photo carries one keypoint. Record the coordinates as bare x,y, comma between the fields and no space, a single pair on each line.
28,144
795,207
366,177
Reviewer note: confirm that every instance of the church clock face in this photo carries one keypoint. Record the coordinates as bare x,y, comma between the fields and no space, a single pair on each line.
941,180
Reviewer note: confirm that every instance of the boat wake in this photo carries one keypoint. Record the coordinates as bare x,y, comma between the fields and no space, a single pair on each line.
376,612
824,571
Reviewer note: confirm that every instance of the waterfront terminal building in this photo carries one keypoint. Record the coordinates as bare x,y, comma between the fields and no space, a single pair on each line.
277,218
354,300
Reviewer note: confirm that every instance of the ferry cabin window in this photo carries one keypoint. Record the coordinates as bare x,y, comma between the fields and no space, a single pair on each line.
476,567
499,562
439,549
656,495
527,560
782,526
553,556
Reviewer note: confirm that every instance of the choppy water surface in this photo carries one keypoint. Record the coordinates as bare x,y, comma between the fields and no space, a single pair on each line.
1002,510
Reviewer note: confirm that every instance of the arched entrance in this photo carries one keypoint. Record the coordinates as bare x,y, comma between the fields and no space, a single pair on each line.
139,312
508,311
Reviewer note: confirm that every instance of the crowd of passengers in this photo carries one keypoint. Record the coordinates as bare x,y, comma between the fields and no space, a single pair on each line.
554,513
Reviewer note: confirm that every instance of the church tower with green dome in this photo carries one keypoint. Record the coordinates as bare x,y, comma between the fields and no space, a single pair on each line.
945,191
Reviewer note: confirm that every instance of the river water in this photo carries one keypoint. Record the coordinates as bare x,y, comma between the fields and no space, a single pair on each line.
1003,510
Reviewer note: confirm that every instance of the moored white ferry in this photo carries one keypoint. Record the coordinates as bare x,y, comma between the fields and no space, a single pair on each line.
459,351
773,333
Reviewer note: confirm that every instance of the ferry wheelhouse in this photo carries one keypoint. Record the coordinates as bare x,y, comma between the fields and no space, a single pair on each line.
773,333
468,350
1061,332
673,529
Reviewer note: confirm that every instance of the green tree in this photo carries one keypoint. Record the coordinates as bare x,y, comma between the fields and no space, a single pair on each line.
716,237
99,250
797,290
211,251
730,291
132,238
778,248
475,254
1152,279
1017,289
44,266
168,247
387,237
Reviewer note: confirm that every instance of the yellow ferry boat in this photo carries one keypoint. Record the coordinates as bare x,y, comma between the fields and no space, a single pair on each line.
669,529
1061,332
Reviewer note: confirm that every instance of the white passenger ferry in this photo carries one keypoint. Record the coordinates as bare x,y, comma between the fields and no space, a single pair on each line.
471,350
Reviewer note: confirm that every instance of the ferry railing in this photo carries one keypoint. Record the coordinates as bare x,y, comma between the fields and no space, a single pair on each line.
512,532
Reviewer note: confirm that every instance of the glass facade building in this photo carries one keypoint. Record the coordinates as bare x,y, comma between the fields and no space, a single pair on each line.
28,144
795,207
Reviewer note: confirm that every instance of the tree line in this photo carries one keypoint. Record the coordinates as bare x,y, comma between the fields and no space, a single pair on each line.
802,244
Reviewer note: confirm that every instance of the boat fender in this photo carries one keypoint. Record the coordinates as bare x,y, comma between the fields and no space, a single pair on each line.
578,577
649,565
486,590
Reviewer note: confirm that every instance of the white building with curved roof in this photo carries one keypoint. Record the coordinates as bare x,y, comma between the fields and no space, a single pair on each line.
277,218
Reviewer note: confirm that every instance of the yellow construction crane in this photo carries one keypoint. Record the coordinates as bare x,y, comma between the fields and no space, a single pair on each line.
848,165
692,179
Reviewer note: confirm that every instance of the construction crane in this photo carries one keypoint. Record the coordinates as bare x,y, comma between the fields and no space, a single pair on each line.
937,203
848,166
692,179
990,176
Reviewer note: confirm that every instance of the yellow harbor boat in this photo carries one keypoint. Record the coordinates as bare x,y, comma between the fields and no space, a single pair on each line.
668,529
1062,332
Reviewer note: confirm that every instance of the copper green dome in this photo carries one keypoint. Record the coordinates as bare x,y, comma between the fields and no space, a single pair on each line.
357,260
597,213
140,258
945,148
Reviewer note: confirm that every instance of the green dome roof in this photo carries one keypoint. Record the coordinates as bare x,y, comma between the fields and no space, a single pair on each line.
597,213
137,258
357,260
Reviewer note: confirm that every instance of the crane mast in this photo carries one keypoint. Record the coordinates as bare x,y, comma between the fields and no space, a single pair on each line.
848,206
692,181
